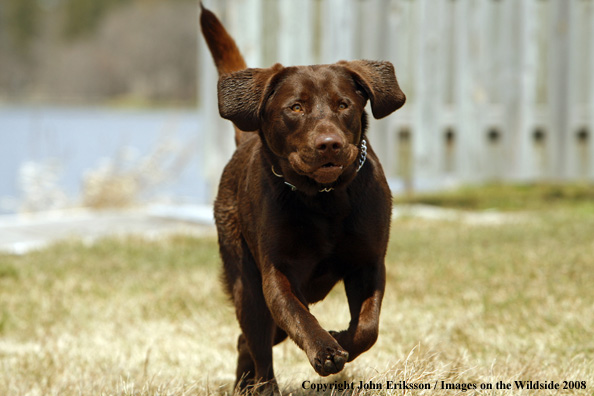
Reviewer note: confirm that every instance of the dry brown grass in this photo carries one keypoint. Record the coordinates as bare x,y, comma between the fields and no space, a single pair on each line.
465,304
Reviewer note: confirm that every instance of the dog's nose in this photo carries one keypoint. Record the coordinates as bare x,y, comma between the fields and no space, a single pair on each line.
328,143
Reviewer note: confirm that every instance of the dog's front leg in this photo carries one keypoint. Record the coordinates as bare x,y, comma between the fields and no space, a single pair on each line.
365,290
292,315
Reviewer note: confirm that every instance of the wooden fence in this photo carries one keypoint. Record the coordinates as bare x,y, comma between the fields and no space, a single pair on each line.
498,90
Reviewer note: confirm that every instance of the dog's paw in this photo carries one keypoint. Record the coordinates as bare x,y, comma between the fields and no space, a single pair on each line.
330,360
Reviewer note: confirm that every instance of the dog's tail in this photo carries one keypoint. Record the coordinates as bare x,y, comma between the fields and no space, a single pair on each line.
223,49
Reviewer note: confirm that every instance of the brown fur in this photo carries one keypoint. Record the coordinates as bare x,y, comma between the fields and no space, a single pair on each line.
223,49
294,215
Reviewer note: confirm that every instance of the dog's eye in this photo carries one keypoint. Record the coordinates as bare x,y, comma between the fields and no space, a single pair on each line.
297,108
342,106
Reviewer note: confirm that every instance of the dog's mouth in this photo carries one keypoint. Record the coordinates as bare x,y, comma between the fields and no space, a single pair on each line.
323,172
327,173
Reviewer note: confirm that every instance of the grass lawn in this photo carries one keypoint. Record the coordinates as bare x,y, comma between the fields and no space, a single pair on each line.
465,304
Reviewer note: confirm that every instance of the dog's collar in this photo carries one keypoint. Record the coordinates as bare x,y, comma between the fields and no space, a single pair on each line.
362,159
363,156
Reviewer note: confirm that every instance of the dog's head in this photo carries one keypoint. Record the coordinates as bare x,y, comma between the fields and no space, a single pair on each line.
311,117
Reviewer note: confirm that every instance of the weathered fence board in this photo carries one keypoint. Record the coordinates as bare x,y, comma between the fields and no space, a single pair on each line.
497,89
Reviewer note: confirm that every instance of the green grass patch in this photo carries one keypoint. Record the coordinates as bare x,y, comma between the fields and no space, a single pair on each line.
464,304
509,197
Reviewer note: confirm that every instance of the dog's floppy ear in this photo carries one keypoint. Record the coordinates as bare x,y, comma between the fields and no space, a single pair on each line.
241,95
378,79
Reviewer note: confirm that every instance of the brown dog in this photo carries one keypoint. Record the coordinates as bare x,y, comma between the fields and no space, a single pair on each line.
302,204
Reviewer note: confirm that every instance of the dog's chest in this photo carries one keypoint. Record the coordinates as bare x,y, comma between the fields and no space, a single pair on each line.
313,236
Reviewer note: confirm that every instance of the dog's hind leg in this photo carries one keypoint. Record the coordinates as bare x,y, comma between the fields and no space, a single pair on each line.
279,335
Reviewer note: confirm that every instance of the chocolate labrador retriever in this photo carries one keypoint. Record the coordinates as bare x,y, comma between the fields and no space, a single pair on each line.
302,204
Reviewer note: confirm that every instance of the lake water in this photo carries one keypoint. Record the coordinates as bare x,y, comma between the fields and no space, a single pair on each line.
47,153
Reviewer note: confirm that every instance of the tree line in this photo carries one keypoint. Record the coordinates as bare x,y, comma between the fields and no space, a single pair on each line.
63,50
